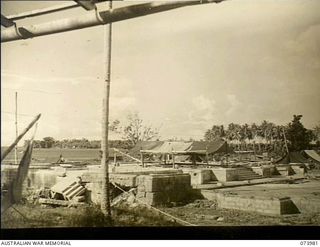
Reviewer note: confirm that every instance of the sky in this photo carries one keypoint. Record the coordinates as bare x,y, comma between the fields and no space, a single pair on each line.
182,71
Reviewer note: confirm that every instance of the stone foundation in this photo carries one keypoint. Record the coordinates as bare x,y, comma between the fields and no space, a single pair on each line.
225,174
263,205
200,176
307,205
161,189
298,169
264,171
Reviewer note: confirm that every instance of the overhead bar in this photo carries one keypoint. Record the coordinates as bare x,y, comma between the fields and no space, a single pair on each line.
42,11
6,22
98,18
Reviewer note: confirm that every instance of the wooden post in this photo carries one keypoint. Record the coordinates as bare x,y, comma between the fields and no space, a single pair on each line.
16,123
115,156
105,195
9,149
285,140
207,157
142,159
227,154
173,160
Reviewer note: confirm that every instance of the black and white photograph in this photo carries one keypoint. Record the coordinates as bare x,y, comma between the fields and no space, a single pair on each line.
160,115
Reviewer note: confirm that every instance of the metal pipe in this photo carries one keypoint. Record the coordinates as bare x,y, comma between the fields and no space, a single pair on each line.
43,11
95,18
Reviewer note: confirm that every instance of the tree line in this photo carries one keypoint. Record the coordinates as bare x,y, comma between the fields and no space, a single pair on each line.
50,142
266,136
132,130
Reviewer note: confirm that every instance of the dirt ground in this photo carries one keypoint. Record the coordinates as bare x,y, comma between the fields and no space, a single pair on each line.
206,213
199,213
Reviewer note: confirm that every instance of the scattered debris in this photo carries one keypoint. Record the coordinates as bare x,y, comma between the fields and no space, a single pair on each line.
128,197
202,204
220,219
53,202
68,189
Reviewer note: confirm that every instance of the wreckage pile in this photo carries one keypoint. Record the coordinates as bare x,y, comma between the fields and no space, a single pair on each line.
153,189
67,192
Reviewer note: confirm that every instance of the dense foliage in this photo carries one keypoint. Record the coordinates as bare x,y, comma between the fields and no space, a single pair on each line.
266,136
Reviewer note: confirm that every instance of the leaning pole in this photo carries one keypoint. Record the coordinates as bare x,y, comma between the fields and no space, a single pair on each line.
9,149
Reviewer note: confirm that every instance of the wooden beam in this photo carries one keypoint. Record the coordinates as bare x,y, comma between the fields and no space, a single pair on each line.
6,22
98,18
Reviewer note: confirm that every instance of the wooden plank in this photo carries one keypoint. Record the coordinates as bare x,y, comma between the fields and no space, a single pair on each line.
53,202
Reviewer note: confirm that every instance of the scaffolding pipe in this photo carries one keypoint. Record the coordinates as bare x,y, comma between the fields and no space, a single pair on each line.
94,18
43,11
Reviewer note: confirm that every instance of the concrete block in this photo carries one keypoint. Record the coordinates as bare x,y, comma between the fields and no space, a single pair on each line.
299,169
225,174
94,191
156,183
91,176
273,206
160,189
126,180
307,206
264,171
44,179
200,176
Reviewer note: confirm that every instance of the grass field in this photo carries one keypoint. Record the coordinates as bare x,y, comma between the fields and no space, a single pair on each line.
52,154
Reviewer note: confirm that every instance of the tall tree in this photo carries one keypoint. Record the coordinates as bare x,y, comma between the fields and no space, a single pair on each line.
47,142
316,134
217,131
298,136
134,129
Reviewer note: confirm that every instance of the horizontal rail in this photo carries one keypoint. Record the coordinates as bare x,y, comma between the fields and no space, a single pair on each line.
43,11
94,18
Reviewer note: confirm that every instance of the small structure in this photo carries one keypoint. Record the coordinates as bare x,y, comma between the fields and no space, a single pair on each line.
179,151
